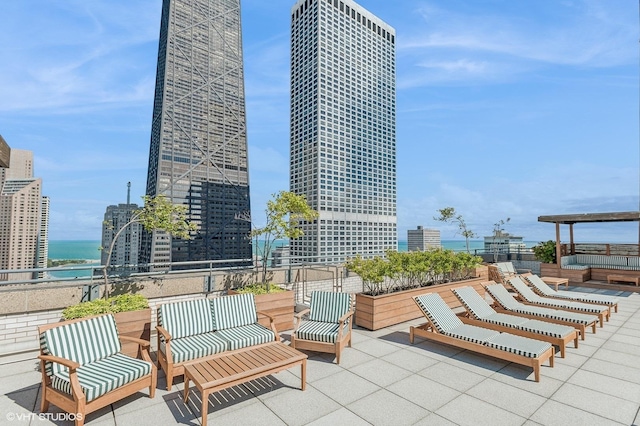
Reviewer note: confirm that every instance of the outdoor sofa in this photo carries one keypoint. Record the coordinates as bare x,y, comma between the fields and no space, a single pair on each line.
193,329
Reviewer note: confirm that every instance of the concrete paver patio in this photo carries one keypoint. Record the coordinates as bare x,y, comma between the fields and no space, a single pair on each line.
384,380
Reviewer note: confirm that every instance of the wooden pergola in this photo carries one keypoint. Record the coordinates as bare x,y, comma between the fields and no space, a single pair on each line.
571,219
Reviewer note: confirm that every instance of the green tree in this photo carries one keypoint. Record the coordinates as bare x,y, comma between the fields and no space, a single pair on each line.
157,214
449,215
284,213
545,251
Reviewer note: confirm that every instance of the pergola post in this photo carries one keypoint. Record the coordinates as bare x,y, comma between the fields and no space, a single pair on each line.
572,245
558,251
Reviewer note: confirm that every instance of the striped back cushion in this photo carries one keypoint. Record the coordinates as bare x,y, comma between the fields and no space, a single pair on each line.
83,341
233,311
438,312
502,296
186,318
329,306
506,268
473,302
523,290
540,285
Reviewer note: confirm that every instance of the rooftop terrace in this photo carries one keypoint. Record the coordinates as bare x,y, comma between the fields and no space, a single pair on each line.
384,380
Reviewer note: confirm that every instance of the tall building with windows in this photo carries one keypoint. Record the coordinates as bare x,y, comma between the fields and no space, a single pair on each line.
23,217
421,239
198,153
343,129
125,252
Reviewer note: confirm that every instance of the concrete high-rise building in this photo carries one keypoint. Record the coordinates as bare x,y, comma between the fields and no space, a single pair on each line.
343,129
43,237
21,217
198,154
421,239
126,250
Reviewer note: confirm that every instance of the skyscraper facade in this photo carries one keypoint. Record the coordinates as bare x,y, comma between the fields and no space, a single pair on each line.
23,219
125,252
421,239
198,153
343,129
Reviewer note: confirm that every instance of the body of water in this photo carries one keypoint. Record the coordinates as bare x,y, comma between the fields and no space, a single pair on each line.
87,250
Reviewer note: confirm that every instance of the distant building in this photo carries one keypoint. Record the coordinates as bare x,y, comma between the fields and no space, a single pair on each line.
343,130
5,153
280,256
198,151
421,239
23,217
503,242
43,238
127,247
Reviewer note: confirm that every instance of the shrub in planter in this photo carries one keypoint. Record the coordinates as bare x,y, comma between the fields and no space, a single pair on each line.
112,305
545,251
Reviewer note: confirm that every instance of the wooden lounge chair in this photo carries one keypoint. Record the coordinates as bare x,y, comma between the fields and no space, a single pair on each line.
507,303
445,327
328,328
543,289
83,369
530,297
482,314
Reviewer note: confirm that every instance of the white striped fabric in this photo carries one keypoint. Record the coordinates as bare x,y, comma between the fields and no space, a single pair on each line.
519,345
472,333
102,376
193,347
328,306
542,287
438,312
83,341
319,331
546,328
505,320
527,294
576,317
502,297
246,335
473,302
233,311
186,318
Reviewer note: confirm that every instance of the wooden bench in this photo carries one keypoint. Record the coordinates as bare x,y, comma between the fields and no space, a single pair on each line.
229,369
623,278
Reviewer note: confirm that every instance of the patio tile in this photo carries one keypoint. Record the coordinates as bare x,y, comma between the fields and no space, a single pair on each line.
469,411
452,376
434,350
377,347
611,386
345,387
616,357
623,372
434,420
521,377
351,357
380,372
479,364
554,413
386,408
317,368
598,403
622,347
172,410
423,392
296,407
409,360
341,417
251,413
510,398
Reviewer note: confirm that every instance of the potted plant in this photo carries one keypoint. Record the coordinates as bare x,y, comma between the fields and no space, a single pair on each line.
545,252
131,312
390,284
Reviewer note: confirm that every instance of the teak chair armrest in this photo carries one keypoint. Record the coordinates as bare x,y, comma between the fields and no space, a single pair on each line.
165,334
143,343
71,365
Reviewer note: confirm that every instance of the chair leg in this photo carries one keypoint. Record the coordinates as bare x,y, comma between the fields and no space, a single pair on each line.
169,373
44,402
154,383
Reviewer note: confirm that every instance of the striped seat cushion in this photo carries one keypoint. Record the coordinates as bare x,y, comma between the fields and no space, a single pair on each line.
471,333
500,294
519,345
576,317
438,312
100,377
233,311
505,320
319,331
84,342
473,302
546,328
328,306
192,347
587,297
246,335
528,294
186,318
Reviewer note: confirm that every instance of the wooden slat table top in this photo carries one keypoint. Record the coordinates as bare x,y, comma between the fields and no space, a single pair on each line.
246,362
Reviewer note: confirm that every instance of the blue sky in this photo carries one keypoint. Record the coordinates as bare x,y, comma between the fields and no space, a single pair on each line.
504,108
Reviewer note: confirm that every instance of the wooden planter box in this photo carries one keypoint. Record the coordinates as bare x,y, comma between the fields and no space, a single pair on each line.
279,305
134,324
573,275
376,312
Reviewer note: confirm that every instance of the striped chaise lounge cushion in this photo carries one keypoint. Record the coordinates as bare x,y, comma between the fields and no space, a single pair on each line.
93,343
544,289
190,325
235,320
326,308
530,348
531,297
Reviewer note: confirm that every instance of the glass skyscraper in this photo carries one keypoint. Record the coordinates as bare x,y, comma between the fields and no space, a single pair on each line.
343,129
198,154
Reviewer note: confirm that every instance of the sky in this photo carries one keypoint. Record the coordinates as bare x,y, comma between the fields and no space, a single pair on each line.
505,109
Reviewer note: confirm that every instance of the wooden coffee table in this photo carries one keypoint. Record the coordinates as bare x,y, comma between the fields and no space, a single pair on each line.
232,368
623,278
555,281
